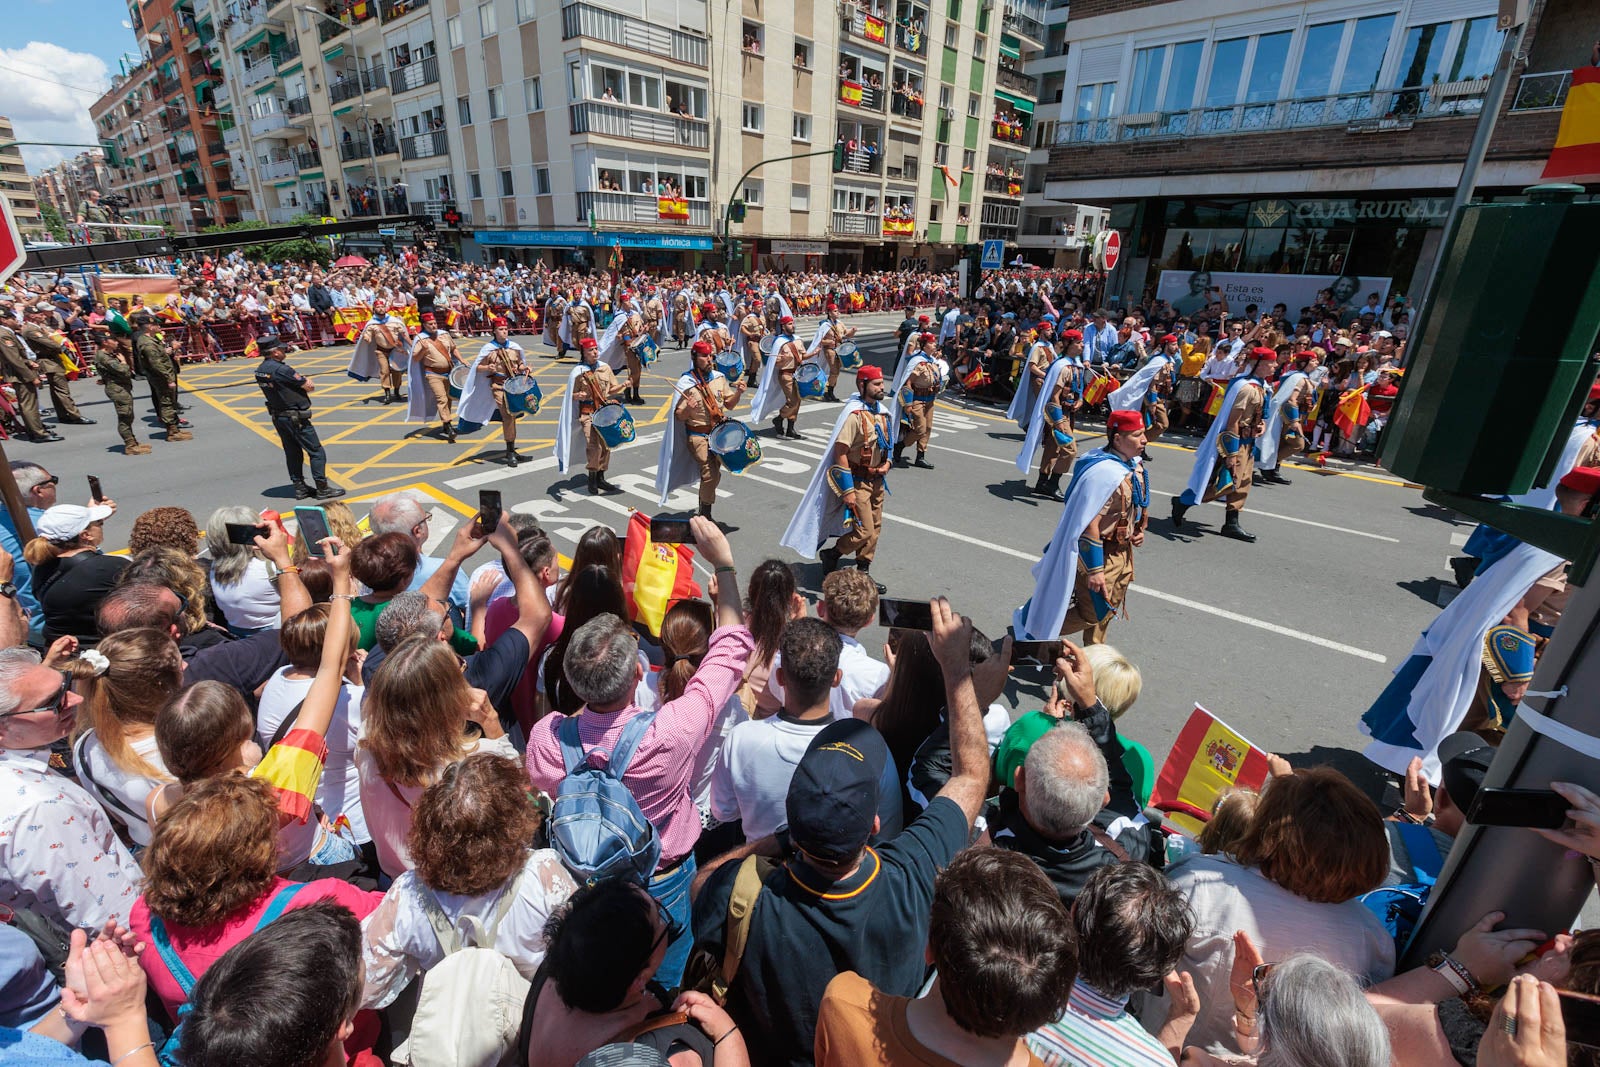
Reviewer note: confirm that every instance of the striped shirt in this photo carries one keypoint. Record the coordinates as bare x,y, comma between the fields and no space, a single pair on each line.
1097,1031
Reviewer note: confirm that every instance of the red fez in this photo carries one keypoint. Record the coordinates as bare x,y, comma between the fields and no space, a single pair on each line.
833,307
1303,354
1045,324
1072,335
427,316
708,306
869,373
1584,480
1594,391
1169,339
588,342
1124,422
927,337
787,320
923,318
702,348
1262,352
499,321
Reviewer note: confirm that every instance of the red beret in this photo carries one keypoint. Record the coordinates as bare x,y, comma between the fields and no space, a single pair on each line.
1169,339
1582,480
702,348
1303,354
1045,324
427,316
869,373
928,337
923,318
833,307
787,320
1594,391
1263,352
588,342
1072,335
1124,422
709,305
499,321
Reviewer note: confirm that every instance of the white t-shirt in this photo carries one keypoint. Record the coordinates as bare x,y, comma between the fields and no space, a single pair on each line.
751,782
122,794
859,676
339,792
252,602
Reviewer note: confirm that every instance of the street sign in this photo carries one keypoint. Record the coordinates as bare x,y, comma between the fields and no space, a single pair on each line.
12,250
994,254
387,231
1110,249
328,219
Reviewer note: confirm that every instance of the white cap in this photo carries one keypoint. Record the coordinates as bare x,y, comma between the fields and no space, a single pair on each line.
66,521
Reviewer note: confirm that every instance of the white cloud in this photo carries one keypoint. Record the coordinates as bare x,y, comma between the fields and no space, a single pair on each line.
127,24
43,110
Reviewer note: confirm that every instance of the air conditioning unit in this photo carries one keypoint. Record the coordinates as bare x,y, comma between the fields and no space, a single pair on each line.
950,113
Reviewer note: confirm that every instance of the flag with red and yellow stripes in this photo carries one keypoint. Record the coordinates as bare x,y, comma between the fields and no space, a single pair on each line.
348,322
653,575
1576,154
1208,757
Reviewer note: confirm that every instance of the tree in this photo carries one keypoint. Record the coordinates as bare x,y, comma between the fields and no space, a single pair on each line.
54,222
298,248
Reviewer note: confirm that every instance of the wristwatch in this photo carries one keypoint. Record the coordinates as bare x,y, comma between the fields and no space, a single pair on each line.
8,590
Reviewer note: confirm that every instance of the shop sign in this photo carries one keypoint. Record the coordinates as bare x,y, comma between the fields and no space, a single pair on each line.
799,248
1412,209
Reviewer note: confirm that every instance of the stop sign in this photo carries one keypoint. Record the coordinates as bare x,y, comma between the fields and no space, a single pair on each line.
1111,251
12,252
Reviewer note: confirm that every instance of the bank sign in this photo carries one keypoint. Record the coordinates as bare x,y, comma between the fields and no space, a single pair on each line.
585,239
1413,210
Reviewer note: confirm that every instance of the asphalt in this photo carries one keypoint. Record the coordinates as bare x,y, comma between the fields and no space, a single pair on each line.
1288,639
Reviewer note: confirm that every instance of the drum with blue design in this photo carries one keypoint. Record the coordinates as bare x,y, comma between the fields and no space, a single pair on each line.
647,350
735,444
458,380
614,424
523,394
811,380
731,363
849,355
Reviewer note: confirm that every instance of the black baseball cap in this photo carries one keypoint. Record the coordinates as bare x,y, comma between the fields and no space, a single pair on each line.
267,342
1464,760
833,796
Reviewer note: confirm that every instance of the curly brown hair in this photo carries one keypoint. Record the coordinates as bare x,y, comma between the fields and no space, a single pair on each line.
165,527
214,852
1318,836
470,830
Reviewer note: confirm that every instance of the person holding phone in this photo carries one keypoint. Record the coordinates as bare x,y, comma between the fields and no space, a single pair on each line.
288,395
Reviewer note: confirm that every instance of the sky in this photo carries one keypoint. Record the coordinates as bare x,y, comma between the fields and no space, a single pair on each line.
56,58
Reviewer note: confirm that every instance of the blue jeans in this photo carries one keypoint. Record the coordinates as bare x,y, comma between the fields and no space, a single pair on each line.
672,890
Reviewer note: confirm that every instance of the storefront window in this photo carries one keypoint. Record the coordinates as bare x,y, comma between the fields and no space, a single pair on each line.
1264,251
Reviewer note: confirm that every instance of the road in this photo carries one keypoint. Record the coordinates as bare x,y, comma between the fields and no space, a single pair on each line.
1287,639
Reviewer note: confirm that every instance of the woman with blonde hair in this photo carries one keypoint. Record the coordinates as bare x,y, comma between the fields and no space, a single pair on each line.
415,720
124,684
342,523
1116,681
242,584
165,566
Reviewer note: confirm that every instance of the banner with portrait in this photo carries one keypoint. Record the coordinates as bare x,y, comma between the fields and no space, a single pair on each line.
1190,291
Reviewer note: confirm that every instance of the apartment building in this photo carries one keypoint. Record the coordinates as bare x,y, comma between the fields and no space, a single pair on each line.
1262,145
65,185
162,114
18,189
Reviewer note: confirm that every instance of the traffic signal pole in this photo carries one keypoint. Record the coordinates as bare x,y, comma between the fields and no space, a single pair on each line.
727,215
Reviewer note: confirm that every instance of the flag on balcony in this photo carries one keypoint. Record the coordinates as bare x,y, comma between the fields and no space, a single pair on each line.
906,226
850,93
876,29
675,208
951,181
1577,150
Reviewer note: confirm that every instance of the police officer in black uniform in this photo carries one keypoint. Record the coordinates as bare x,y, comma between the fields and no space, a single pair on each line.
289,405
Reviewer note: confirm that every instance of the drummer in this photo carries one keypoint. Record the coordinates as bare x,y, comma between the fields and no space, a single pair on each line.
434,354
634,334
833,334
923,382
788,355
499,360
751,330
704,400
593,387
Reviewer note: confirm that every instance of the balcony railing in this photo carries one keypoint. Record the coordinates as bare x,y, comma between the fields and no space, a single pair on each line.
1538,91
297,106
423,145
188,155
281,215
856,94
346,84
261,70
913,41
1021,22
860,161
1017,82
290,49
414,75
856,224
273,169
265,124
353,149
587,20
1004,186
639,124
907,105
167,86
232,136
638,209
238,27
1007,132
216,149
221,95
307,159
1382,109
870,27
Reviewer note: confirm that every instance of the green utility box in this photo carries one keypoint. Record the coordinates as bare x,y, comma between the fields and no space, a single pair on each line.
1506,356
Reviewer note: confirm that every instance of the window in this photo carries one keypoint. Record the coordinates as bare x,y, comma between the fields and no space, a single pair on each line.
802,128
1182,74
541,180
685,100
605,83
802,53
755,38
644,90
507,186
969,159
464,110
972,105
1422,60
527,9
1227,67
752,192
751,121
1477,51
946,95
933,211
1266,72
497,102
532,94
1368,45
452,31
1317,56
952,36
941,154
486,20
800,198
474,186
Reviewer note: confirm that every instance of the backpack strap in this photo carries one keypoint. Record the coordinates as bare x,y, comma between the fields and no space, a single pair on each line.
1109,843
481,936
571,744
99,791
747,886
278,904
628,744
175,966
650,1025
286,725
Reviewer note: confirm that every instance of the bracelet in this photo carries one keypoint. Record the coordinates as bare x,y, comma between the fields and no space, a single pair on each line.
131,1051
718,1041
289,570
724,570
1456,973
343,596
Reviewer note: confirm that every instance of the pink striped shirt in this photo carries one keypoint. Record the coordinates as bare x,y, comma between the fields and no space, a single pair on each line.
659,776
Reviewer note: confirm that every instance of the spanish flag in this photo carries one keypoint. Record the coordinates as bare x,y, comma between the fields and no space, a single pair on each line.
672,207
1353,412
653,575
850,93
1577,151
349,321
1208,757
1214,401
1099,388
251,349
876,29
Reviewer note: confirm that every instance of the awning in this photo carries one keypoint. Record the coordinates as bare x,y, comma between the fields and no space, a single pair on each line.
333,53
1010,47
251,41
1022,104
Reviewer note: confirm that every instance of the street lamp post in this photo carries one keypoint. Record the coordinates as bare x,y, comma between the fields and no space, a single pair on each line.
361,85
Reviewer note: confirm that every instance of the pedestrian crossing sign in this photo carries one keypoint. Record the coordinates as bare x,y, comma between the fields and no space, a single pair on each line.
994,254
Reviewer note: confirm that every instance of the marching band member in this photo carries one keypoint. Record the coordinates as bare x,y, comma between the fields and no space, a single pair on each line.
830,333
383,352
751,330
499,359
1040,354
1091,551
916,386
433,357
845,497
620,344
655,314
778,379
1289,406
1058,396
590,386
1146,389
555,311
682,317
1230,443
578,323
703,399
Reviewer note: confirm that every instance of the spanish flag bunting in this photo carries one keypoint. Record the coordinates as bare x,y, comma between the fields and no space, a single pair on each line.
653,575
349,321
1208,757
1353,412
1098,389
1576,154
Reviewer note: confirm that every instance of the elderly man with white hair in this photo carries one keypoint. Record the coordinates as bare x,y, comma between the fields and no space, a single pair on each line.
404,512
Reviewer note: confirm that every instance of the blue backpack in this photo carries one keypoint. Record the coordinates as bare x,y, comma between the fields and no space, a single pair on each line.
185,978
1399,907
595,824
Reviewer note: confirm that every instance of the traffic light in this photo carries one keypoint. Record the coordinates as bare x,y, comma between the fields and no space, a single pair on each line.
735,250
736,211
109,148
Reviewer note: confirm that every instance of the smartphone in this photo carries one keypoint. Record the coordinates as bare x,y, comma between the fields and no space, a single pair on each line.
1581,1016
670,531
95,494
905,614
1044,652
488,511
244,533
313,524
1543,808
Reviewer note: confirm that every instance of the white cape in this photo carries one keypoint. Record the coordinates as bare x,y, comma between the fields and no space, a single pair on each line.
1038,425
1095,478
565,333
675,464
1267,447
900,377
366,361
1130,395
612,348
567,437
1205,457
769,398
1020,410
820,514
477,396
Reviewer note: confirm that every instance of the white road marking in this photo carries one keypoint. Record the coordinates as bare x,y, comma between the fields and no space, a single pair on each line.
543,463
442,524
1319,525
1195,605
974,455
1458,540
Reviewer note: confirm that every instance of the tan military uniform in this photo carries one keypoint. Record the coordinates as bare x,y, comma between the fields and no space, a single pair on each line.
582,325
48,346
435,354
700,409
1156,409
1241,422
789,356
863,436
1058,458
383,338
750,332
595,388
832,337
924,383
1117,528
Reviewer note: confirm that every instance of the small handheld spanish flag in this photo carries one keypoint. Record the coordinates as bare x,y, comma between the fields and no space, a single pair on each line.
653,575
1208,757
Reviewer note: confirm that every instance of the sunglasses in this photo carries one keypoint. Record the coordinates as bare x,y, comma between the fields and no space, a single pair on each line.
54,479
1258,977
671,928
55,707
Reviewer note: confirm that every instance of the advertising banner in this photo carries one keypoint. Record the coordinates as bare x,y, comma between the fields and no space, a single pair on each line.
1190,291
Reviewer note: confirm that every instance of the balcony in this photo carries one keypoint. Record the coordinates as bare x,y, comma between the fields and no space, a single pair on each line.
270,125
857,160
216,149
1383,109
240,27
262,70
1018,82
166,87
231,137
297,106
855,94
274,169
639,124
856,224
289,50
346,84
1011,132
587,20
307,159
424,145
906,101
222,95
399,9
1003,185
414,75
638,209
188,155
1536,92
1024,21
913,41
353,149
870,26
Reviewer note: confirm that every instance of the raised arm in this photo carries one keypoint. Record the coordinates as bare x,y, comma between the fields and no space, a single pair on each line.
293,597
533,606
316,712
969,747
467,542
713,545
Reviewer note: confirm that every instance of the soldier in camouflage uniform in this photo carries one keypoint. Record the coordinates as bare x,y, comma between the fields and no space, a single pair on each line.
116,378
161,371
